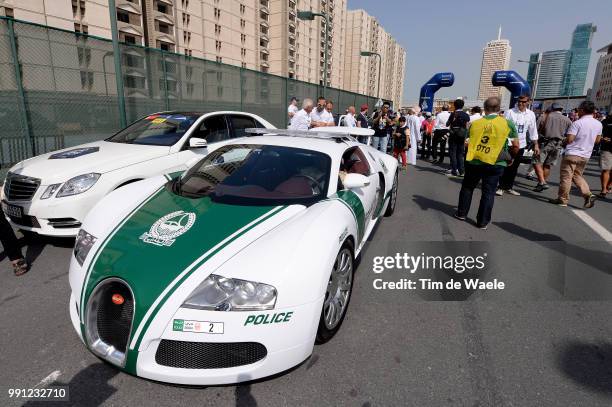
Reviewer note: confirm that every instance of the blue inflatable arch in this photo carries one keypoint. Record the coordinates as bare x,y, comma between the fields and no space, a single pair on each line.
439,80
514,82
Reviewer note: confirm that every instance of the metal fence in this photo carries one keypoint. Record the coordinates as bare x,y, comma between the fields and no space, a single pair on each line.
58,88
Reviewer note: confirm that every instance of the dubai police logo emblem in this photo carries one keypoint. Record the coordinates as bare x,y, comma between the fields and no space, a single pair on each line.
165,231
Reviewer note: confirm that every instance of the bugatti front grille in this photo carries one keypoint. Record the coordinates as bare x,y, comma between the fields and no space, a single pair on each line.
114,314
206,355
108,320
20,188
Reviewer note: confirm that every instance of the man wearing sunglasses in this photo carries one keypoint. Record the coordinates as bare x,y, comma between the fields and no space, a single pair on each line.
525,122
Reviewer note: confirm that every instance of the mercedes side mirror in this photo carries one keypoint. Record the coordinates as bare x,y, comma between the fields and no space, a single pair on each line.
196,142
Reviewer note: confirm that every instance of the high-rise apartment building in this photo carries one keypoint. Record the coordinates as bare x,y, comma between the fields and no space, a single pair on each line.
297,47
495,57
563,72
86,16
364,33
601,93
263,35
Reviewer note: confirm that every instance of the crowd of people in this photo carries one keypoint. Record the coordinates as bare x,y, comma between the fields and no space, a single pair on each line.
486,149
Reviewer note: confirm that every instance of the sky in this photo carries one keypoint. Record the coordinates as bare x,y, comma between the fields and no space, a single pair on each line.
448,36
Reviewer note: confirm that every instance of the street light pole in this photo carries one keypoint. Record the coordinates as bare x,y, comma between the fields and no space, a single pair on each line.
537,74
375,54
310,15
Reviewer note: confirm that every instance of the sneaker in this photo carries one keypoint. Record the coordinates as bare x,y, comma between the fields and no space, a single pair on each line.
531,176
512,192
461,175
482,227
456,216
541,187
499,192
589,201
449,172
557,202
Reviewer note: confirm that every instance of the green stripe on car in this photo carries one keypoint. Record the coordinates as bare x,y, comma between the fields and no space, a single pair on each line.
354,204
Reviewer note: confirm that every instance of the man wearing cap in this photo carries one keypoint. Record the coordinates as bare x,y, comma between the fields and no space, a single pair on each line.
292,109
553,127
440,134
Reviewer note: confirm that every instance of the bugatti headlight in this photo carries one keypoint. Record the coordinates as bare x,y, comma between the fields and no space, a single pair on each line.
78,185
218,293
83,244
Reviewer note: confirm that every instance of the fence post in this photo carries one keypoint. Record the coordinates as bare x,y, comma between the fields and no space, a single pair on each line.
165,79
117,59
241,89
18,81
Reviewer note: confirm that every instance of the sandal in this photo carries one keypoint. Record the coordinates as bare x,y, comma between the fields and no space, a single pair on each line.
603,194
20,267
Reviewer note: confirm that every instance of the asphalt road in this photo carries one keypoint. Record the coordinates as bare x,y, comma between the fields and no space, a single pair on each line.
546,340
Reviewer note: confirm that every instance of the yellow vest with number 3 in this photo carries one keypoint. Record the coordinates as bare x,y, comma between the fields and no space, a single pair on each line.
487,138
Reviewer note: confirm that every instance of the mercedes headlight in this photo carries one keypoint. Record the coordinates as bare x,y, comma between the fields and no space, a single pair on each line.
82,245
218,293
78,185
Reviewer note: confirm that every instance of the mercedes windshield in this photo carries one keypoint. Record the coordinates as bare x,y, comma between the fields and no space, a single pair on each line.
156,130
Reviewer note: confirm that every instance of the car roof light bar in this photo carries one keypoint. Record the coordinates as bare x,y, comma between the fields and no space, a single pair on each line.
338,137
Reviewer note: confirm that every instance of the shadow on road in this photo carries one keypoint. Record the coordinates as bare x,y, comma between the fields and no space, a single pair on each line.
588,364
427,204
35,244
596,259
89,387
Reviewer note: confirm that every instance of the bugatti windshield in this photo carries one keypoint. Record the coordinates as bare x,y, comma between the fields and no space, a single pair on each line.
248,174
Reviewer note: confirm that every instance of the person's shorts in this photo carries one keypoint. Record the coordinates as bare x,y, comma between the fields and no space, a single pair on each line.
605,160
550,151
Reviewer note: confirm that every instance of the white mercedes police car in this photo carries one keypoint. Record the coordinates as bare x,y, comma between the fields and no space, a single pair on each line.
233,270
50,194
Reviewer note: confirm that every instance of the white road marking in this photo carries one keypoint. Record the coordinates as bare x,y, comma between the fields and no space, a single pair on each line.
593,224
49,379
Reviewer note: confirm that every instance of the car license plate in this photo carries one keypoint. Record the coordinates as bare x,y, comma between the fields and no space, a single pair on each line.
12,210
204,327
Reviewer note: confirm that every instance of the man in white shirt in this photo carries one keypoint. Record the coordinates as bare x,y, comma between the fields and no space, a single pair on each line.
583,134
525,122
440,134
349,119
301,120
320,117
292,109
475,114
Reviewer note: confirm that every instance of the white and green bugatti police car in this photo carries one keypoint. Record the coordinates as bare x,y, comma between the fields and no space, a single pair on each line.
233,270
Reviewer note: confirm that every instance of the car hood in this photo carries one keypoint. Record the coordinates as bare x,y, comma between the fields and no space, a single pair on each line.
100,156
168,237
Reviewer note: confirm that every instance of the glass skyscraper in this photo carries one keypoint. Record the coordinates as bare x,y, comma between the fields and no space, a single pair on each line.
563,72
580,56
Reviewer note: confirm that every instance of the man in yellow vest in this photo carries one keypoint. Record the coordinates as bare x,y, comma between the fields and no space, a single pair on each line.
487,157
